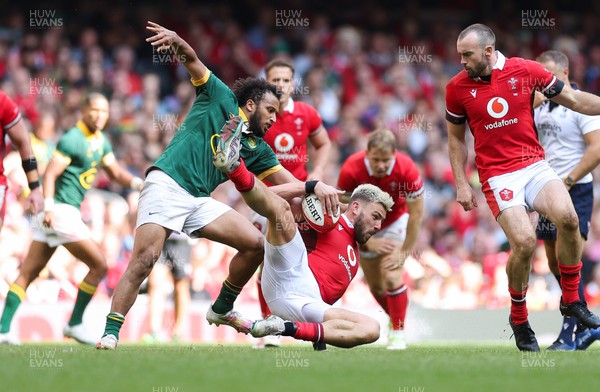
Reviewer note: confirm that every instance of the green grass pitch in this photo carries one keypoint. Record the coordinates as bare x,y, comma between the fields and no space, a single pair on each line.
183,368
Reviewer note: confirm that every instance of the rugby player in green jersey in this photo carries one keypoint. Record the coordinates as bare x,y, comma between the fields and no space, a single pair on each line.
80,152
177,188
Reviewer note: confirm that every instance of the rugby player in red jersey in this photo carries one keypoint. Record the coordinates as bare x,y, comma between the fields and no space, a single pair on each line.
384,254
494,94
296,125
303,277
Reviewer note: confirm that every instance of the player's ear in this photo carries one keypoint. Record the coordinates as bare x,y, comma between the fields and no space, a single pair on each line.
489,50
250,106
355,207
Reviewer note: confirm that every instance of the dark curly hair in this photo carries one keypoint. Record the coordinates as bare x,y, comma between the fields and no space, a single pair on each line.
254,89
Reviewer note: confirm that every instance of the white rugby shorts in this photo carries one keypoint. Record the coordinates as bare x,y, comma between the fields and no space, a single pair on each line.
164,202
288,284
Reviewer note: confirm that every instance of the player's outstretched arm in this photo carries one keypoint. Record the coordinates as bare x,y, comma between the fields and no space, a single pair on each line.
578,100
163,39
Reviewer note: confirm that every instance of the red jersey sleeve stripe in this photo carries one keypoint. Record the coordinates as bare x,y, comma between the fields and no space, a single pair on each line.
415,194
13,122
552,82
454,114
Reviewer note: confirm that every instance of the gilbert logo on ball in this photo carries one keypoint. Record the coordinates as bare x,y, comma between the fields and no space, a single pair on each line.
312,210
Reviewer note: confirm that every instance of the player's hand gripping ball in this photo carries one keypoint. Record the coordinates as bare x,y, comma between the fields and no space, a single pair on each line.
312,209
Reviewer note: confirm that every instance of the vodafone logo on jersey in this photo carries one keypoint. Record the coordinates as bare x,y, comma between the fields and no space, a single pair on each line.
284,142
497,107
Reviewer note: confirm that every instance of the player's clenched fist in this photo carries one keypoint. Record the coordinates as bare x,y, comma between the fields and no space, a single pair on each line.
466,198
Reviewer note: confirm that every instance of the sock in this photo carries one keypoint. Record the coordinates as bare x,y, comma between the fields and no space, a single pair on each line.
382,301
15,296
518,306
397,302
264,308
242,178
114,322
84,295
226,298
569,282
312,332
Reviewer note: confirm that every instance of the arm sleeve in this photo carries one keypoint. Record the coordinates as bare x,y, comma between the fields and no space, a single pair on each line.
314,120
261,161
66,149
587,123
455,112
412,187
543,80
211,90
9,112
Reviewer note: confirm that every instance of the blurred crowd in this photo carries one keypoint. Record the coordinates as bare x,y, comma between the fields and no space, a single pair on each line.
361,68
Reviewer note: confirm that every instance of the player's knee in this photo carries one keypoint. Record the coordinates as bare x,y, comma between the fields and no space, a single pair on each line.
143,261
371,330
524,244
568,221
280,211
254,247
101,268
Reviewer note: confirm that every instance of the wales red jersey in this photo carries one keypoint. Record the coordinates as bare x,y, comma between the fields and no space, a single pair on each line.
332,258
9,116
289,134
402,181
500,113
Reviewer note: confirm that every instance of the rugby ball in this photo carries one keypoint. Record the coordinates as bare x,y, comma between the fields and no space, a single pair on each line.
314,215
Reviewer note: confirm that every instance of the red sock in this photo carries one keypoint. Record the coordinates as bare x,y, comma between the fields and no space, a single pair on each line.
264,308
518,306
382,301
397,302
312,332
242,178
569,282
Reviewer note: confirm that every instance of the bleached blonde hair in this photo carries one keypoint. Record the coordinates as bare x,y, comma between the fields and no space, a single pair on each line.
372,194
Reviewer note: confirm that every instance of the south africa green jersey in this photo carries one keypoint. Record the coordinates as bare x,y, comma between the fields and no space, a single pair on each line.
188,158
84,153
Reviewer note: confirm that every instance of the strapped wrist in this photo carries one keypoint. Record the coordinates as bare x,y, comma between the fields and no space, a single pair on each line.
309,186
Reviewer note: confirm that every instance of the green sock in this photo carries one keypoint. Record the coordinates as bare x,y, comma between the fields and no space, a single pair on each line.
13,300
84,295
114,322
226,298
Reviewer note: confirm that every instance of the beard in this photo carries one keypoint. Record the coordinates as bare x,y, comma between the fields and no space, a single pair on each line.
478,70
255,126
361,235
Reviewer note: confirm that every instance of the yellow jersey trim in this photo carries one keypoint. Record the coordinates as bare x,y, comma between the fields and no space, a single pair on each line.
268,172
201,81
